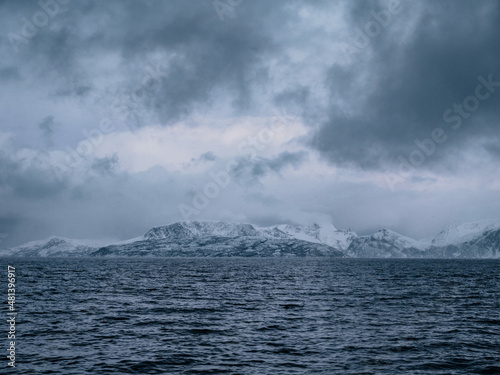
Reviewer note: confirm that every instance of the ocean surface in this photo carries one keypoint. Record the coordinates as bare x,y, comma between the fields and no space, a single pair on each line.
254,316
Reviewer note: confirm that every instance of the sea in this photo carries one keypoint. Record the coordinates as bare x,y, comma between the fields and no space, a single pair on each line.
253,316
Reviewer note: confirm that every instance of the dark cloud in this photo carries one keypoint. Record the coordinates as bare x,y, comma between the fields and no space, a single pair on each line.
203,56
206,156
8,223
210,56
28,181
10,73
493,148
397,89
76,89
47,127
105,166
293,99
251,171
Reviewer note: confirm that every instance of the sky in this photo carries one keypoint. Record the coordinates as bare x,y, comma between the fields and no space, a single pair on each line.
117,116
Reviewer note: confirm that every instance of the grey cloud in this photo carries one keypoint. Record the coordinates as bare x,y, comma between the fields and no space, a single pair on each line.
207,56
105,166
47,126
252,171
410,84
28,182
8,222
294,159
493,148
293,99
117,206
361,115
206,156
213,56
76,89
10,73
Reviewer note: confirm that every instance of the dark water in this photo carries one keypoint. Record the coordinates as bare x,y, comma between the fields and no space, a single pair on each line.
256,316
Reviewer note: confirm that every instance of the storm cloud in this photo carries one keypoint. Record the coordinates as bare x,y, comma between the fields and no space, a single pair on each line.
411,84
365,113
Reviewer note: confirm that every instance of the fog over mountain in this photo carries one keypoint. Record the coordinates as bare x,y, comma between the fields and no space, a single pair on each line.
120,116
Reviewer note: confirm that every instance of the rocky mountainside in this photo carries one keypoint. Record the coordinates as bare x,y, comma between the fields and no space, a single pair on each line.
470,240
221,239
192,239
386,244
216,246
325,234
457,234
485,244
192,229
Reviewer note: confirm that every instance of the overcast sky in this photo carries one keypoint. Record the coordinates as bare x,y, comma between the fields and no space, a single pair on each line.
117,116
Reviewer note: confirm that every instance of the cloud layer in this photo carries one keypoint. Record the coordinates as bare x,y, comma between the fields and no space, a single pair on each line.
366,113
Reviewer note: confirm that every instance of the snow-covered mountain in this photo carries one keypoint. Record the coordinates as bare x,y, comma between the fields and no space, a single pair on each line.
193,239
470,240
456,234
325,234
217,246
189,229
221,239
197,238
386,244
54,247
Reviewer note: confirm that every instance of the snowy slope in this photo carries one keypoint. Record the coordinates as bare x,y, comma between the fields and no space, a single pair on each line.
189,229
456,234
400,240
205,238
386,244
327,235
467,241
324,234
54,246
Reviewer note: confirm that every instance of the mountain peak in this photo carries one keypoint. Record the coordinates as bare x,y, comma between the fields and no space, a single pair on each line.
384,232
184,229
217,238
398,239
324,233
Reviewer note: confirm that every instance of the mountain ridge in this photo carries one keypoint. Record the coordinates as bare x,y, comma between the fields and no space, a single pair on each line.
218,238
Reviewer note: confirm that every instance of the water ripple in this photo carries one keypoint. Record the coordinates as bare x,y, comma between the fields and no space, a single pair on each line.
257,316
